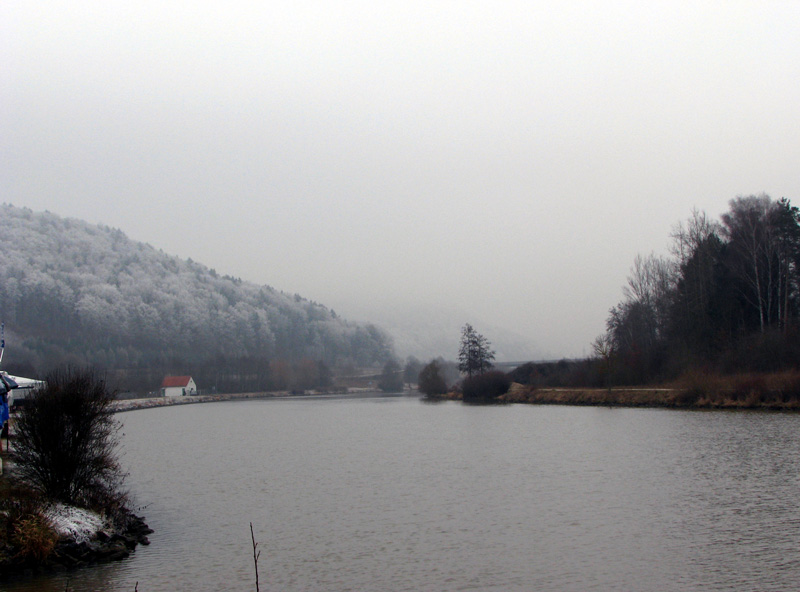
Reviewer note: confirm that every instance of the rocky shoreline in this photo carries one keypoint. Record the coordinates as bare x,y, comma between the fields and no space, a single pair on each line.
148,403
72,552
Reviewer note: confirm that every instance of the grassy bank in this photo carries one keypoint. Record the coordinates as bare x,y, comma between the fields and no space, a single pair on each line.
777,391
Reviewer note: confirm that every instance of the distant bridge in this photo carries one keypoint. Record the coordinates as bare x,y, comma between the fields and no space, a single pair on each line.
509,366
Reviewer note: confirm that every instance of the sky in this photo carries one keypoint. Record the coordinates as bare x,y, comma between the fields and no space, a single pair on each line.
497,162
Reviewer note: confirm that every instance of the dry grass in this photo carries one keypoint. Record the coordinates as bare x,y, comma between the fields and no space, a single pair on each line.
628,397
779,390
448,396
34,537
695,390
24,532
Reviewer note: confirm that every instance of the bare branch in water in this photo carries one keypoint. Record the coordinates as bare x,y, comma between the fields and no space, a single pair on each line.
256,555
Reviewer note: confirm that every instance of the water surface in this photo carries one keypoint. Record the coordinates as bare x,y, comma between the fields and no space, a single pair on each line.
392,494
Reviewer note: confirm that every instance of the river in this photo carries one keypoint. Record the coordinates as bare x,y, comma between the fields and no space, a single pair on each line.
377,493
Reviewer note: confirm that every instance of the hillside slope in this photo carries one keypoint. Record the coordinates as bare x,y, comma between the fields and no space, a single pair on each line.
79,293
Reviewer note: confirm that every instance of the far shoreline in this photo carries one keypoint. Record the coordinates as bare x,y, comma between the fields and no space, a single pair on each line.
664,397
643,397
639,397
123,405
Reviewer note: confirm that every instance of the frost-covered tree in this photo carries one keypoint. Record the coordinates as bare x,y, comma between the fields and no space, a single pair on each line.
74,292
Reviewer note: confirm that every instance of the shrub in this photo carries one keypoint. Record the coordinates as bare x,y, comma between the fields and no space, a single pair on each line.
391,380
431,381
67,440
485,387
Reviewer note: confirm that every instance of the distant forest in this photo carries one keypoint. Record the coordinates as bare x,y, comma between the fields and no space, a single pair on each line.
80,294
726,301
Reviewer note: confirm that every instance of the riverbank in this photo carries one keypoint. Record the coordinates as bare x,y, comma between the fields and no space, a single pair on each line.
41,537
150,402
123,405
755,396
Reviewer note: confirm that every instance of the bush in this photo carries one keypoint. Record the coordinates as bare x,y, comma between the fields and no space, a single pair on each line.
485,387
67,440
431,381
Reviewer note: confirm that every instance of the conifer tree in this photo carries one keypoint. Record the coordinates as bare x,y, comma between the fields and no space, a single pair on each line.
474,354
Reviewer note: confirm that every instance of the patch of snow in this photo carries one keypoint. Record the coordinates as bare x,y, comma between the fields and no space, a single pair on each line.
75,523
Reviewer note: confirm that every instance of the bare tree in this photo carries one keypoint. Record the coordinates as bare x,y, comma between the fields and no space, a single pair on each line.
687,238
67,439
603,347
651,284
751,237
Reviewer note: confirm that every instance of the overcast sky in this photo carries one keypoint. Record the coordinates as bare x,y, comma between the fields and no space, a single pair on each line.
505,159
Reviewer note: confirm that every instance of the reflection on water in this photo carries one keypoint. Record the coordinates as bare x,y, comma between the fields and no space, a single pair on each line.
393,494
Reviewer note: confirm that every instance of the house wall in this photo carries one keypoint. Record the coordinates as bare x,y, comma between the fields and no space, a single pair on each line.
178,391
172,391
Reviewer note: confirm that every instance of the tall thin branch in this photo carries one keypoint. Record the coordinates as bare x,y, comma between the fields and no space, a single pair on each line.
256,554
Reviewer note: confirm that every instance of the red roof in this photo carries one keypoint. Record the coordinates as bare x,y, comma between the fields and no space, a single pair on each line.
171,381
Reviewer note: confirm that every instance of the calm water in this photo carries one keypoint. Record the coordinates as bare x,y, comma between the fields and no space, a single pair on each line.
391,494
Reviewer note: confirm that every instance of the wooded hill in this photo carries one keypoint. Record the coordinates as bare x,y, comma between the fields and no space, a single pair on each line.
72,292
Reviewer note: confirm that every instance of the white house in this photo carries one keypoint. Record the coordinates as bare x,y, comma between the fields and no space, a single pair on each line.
177,386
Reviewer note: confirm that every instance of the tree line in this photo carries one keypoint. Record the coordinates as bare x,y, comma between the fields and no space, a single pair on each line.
726,299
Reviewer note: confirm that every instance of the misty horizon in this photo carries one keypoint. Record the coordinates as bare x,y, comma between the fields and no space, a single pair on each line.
505,162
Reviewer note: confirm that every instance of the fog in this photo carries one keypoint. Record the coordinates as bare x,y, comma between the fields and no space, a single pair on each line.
498,163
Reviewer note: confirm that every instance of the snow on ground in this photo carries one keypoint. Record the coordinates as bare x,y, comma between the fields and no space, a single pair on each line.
76,523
